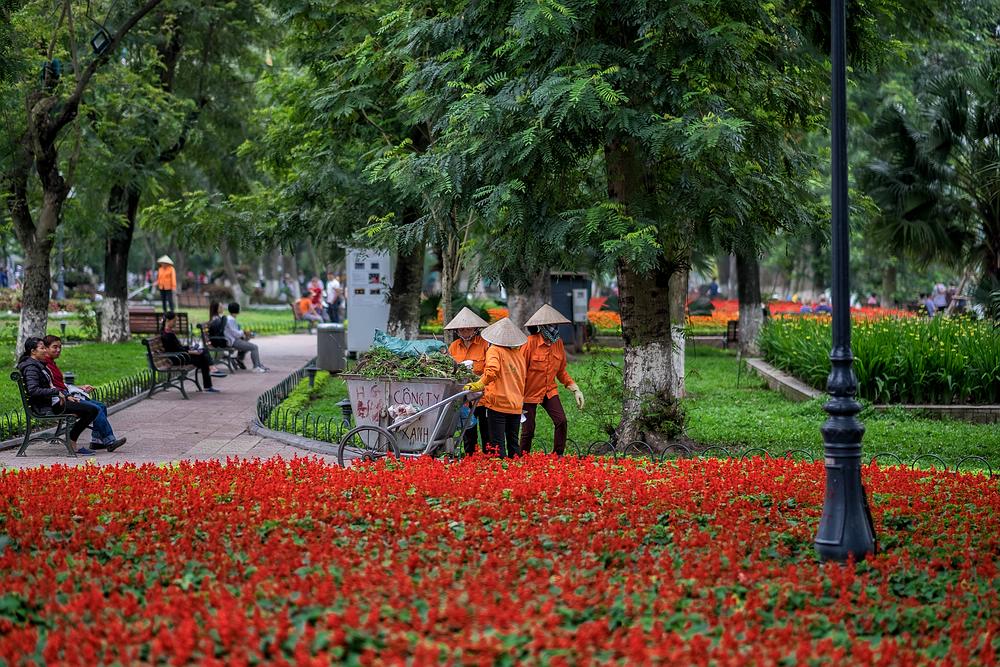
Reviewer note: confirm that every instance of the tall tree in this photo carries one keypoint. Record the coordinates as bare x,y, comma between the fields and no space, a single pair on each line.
45,107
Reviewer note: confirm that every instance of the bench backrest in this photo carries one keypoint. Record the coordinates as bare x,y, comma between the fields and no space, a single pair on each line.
23,391
296,315
149,322
155,352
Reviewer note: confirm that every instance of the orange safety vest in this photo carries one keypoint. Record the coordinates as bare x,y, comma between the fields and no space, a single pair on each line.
504,379
166,278
474,351
546,362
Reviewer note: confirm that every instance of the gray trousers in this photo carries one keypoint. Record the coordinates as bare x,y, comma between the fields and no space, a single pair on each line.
245,346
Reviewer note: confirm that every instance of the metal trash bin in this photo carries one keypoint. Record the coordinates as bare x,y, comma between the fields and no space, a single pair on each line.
331,347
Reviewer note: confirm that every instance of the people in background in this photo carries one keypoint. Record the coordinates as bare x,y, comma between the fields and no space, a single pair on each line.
502,385
102,434
872,301
940,297
469,348
334,297
823,306
927,301
545,358
238,339
308,311
198,358
713,288
315,291
46,399
166,282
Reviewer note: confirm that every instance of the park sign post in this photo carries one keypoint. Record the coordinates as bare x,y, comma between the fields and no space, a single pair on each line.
845,529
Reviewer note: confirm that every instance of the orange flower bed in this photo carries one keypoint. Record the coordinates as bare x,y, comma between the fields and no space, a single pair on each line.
497,314
605,319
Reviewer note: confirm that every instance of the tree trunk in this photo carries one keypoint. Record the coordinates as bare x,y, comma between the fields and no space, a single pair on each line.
124,202
722,271
678,306
37,291
314,259
404,293
229,267
450,269
889,285
292,271
751,314
652,383
523,302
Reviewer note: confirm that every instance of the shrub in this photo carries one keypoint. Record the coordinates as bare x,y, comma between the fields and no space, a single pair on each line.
938,361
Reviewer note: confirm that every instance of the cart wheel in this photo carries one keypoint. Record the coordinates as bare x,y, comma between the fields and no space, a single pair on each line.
366,443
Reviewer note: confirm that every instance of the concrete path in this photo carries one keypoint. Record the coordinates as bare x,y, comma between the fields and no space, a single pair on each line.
208,426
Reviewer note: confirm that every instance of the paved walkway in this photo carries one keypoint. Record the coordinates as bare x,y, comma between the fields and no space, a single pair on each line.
209,426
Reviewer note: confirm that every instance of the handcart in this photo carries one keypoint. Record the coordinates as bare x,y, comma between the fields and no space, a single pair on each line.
436,425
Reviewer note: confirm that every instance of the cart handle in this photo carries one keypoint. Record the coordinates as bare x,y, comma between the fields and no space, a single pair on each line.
403,422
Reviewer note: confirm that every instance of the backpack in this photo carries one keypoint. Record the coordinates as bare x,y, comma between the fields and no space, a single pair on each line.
217,327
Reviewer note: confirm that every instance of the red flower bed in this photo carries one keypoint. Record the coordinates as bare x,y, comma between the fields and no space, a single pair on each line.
485,562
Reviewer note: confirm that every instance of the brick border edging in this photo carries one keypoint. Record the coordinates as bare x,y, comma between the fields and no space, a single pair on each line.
14,443
796,390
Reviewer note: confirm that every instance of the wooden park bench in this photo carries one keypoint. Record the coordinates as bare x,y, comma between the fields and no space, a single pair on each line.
63,422
732,333
168,369
297,319
149,321
223,353
188,299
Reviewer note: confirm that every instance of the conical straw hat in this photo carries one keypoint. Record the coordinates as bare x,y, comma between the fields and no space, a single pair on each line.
165,260
505,333
546,315
466,319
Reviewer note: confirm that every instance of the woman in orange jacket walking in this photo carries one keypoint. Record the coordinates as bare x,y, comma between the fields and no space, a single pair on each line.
545,358
502,384
166,282
470,349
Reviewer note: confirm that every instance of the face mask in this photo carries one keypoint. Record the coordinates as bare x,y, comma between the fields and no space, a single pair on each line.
550,332
467,338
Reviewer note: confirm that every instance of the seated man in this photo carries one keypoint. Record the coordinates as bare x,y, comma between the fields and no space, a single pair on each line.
307,311
103,436
237,339
199,358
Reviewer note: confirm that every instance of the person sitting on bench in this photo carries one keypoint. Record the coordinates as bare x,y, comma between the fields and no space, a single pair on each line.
198,358
237,339
46,399
102,435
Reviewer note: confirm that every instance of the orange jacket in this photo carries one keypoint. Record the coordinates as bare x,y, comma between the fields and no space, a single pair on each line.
474,351
166,278
546,362
504,379
304,305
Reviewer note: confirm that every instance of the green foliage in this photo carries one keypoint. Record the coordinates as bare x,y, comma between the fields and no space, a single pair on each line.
938,361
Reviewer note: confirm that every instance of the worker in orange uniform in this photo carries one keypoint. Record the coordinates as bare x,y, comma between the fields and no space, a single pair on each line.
470,349
166,282
502,385
545,358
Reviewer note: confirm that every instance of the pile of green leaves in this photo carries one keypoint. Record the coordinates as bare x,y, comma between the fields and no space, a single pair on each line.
380,362
938,361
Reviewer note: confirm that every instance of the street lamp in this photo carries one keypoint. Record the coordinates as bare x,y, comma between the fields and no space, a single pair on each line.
845,529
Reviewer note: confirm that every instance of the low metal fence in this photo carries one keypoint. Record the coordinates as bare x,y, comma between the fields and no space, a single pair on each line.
271,414
12,423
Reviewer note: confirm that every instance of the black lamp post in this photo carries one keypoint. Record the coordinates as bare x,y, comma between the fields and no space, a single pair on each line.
845,528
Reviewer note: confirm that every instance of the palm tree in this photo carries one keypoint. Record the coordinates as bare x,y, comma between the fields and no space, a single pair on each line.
938,185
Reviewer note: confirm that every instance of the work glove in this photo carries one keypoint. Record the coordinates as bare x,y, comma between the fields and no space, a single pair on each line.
474,386
578,394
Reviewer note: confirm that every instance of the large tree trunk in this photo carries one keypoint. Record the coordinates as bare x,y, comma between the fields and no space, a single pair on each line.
124,202
522,302
404,294
652,383
889,285
678,307
751,313
229,267
36,292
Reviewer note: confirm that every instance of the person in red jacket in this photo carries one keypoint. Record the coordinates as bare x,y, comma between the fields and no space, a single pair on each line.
469,348
545,358
502,385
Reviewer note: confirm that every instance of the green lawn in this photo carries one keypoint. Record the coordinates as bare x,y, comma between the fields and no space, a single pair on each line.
93,363
720,413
